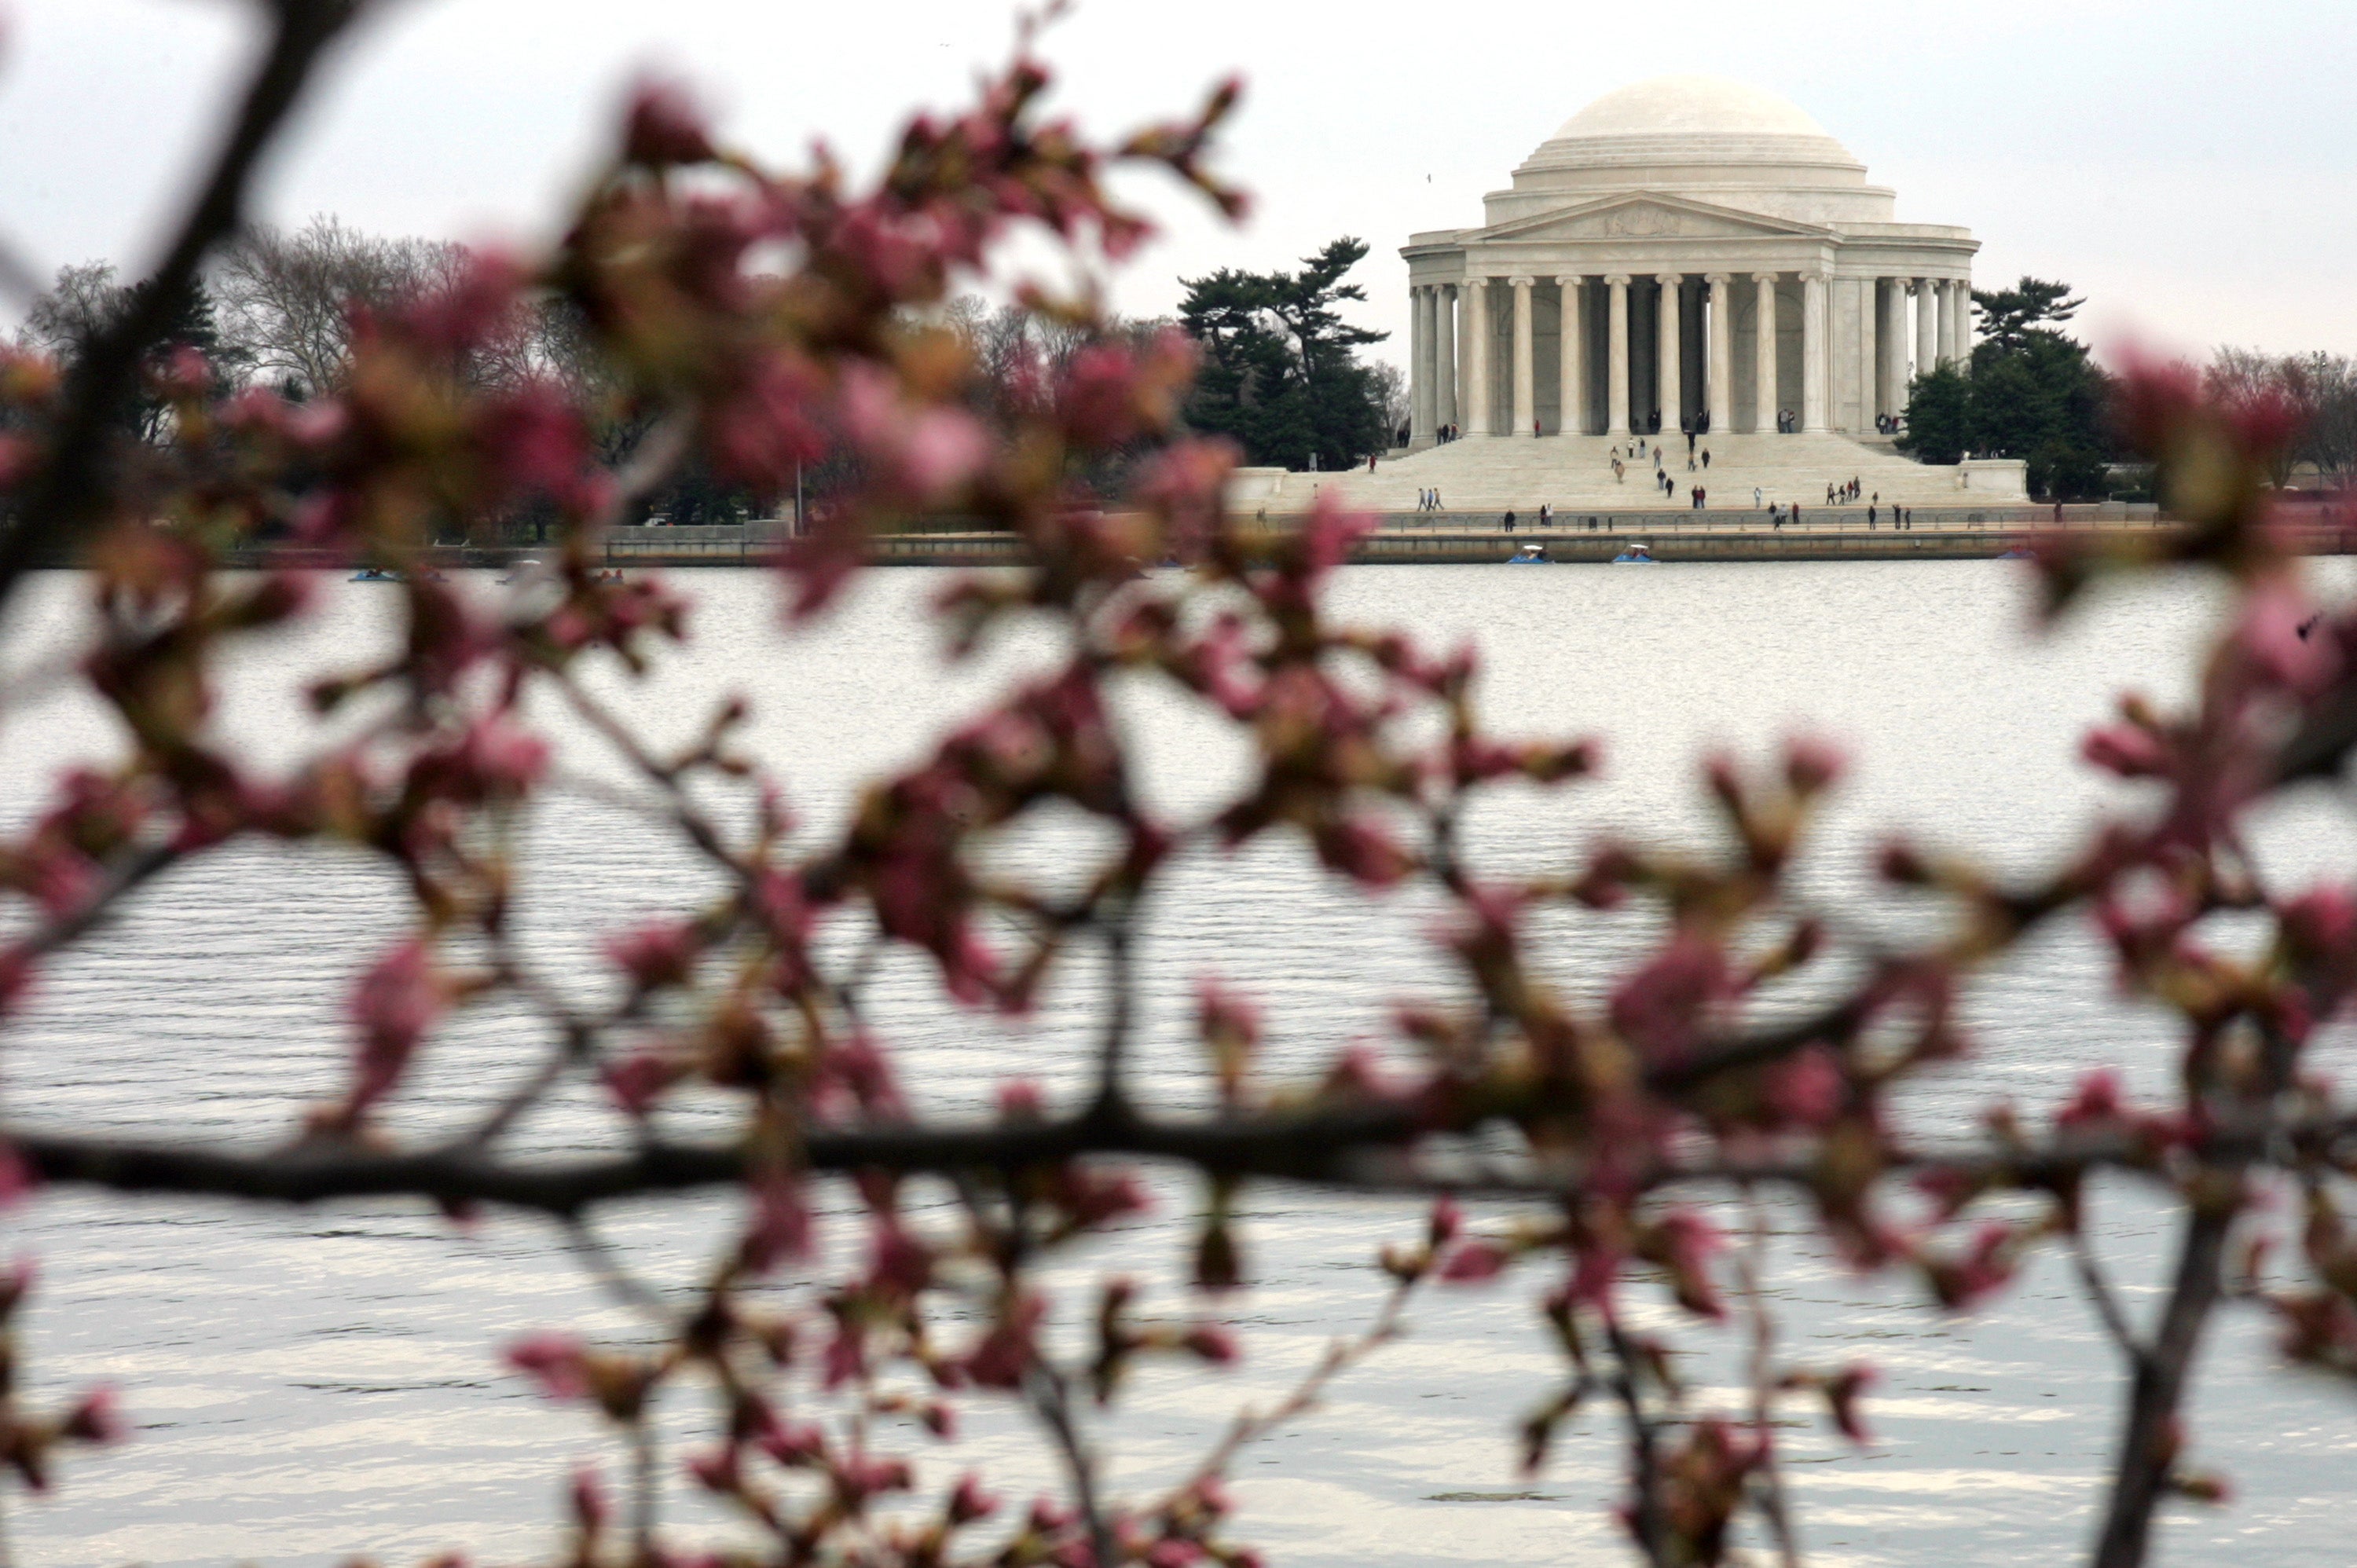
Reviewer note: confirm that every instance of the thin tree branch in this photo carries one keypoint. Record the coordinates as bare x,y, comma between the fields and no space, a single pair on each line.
2148,1454
597,1256
1353,1148
1338,1357
1646,1521
2106,1300
1120,1009
1050,1400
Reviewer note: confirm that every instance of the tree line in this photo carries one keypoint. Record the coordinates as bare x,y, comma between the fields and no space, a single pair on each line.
2034,393
1280,374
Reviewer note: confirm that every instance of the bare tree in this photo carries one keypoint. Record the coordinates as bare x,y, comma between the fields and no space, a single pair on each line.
83,302
291,297
1391,386
2318,391
2330,440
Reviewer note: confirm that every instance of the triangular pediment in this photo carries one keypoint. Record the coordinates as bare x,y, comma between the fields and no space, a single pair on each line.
1646,215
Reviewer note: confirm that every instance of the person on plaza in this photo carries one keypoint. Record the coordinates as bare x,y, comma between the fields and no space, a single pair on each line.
1371,462
1435,498
1792,512
1829,495
1510,522
1706,459
1756,497
1869,515
1690,461
1546,514
1690,441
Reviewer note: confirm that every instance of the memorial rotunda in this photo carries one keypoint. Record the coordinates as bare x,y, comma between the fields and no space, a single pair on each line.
1686,252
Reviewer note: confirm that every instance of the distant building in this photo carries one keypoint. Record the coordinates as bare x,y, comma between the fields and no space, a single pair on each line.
1691,246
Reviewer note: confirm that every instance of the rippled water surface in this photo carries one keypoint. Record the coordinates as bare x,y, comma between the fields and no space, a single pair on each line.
310,1385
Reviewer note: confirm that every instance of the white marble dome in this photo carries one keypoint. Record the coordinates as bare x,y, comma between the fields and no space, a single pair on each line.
1701,137
1690,106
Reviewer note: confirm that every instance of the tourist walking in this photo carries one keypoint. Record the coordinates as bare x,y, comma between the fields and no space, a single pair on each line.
1510,522
1546,514
1756,497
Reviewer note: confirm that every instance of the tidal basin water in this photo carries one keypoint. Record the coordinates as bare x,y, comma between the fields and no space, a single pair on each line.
310,1385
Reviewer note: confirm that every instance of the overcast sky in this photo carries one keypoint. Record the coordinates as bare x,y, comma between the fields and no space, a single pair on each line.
2188,166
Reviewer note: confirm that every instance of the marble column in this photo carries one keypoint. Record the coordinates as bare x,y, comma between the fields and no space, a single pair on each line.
1955,323
1574,402
1870,369
1893,344
1764,357
1526,380
1719,380
1444,356
1615,365
1666,391
1812,352
1421,377
1477,357
1927,327
1464,357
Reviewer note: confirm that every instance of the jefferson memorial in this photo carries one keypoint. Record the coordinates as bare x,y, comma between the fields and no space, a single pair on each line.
1687,253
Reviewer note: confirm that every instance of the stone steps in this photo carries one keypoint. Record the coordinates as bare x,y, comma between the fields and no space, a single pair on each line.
1574,473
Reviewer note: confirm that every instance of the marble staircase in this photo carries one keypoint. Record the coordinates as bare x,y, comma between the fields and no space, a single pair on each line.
1575,474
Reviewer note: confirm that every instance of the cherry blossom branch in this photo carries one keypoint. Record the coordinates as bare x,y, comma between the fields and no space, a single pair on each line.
1339,1357
1353,1148
1049,1394
1646,1521
128,875
70,491
2150,1438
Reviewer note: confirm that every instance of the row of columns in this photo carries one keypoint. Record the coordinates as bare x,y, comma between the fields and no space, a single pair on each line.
1451,380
